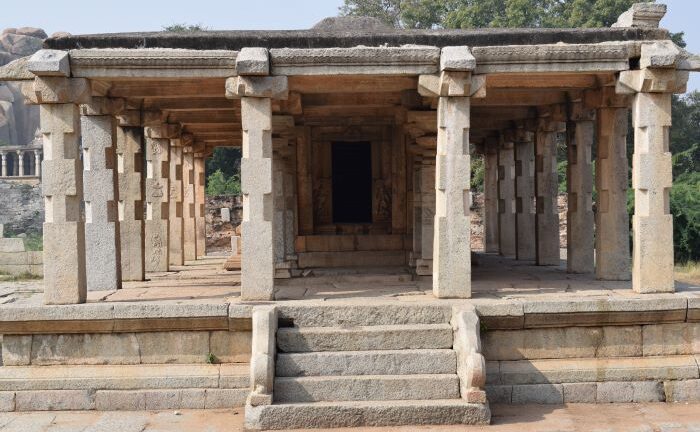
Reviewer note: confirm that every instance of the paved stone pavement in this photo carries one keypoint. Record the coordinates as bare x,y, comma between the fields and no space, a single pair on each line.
536,418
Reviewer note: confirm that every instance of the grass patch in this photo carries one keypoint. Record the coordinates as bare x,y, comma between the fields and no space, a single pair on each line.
34,242
688,272
6,277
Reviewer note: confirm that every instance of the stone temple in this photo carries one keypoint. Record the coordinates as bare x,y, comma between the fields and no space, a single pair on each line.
360,300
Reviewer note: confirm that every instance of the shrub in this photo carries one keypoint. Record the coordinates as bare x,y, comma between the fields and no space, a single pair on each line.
218,184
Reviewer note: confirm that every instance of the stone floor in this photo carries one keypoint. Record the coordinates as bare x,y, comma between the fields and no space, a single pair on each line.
571,418
494,277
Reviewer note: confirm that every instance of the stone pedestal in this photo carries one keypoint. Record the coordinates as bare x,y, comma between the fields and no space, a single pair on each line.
188,208
157,194
525,196
506,199
612,245
175,238
200,205
452,248
546,188
491,197
64,231
131,199
100,194
424,265
579,174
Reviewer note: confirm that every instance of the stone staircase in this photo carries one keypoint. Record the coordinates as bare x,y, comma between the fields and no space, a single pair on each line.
365,366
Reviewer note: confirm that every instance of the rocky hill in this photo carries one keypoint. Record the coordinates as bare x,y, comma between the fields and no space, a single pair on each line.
18,122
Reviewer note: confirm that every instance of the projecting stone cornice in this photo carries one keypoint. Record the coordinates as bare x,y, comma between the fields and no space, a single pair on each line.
152,63
361,60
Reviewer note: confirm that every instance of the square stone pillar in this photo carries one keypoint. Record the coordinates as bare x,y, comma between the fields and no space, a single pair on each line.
652,223
188,206
417,211
20,163
612,238
491,236
506,196
131,187
424,265
64,230
175,228
200,204
3,171
101,192
579,174
452,248
256,94
525,248
157,203
547,190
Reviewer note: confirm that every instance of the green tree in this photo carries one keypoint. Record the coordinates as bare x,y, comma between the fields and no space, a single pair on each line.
219,184
185,28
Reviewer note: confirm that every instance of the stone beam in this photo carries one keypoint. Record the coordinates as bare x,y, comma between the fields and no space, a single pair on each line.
169,89
350,84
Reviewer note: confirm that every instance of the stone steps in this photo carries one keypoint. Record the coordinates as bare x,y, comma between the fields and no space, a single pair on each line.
386,337
348,315
380,362
366,387
367,413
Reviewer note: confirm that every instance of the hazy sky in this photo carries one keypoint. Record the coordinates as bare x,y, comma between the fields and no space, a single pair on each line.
90,16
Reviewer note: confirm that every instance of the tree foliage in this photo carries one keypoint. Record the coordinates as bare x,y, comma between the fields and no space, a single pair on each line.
225,166
219,184
185,28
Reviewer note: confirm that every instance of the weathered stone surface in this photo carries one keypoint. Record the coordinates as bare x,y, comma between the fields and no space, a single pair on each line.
682,391
54,400
365,315
174,399
225,398
546,191
355,388
131,199
87,349
157,198
173,347
491,234
567,342
626,392
231,346
457,58
116,400
262,362
371,413
233,376
671,339
538,394
49,63
16,350
11,245
506,200
579,392
7,401
416,336
644,15
375,362
499,394
275,87
253,61
524,196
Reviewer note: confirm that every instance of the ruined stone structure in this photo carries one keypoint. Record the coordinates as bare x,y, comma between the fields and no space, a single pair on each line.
356,155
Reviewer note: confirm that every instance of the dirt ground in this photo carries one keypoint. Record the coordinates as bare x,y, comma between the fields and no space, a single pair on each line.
657,417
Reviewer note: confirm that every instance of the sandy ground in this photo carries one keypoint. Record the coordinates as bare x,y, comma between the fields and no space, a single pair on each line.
575,417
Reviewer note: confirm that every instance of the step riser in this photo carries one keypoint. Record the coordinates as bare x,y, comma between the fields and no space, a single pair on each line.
363,339
371,388
303,416
367,363
358,315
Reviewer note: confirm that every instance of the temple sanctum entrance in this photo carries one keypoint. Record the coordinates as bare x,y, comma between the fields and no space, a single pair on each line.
352,182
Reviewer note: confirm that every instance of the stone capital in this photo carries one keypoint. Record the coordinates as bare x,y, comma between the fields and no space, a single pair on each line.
253,62
605,97
452,84
552,113
57,90
165,131
660,54
47,62
652,80
457,59
643,15
523,135
579,111
103,106
129,118
274,87
153,118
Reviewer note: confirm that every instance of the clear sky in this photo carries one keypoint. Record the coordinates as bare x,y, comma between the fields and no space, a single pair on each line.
105,16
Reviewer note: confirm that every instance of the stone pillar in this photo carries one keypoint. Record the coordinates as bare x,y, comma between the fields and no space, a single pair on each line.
175,240
547,190
37,163
424,265
131,183
157,188
3,172
652,223
491,196
579,175
20,163
612,237
101,191
256,94
525,196
506,196
188,203
64,230
200,204
417,211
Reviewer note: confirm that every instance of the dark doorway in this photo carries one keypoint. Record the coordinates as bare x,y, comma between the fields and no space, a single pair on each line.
352,182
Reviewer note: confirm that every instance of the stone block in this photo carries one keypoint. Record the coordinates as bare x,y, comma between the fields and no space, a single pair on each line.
85,349
11,245
253,61
174,399
7,401
627,392
579,392
275,87
231,346
643,15
55,400
115,400
671,339
47,62
225,214
16,350
173,347
225,398
234,376
499,394
457,58
682,391
548,394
